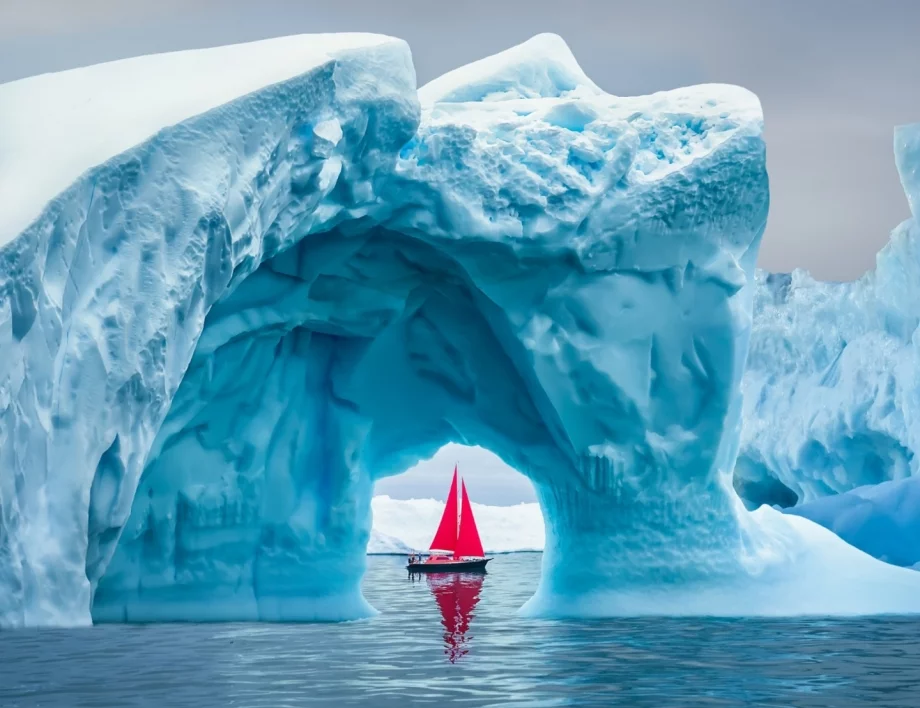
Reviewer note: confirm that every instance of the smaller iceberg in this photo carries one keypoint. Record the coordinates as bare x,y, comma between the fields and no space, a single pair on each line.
881,519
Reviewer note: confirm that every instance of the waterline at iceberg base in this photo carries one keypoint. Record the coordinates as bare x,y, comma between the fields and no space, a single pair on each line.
256,294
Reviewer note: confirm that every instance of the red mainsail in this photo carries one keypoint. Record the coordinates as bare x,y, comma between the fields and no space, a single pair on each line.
468,541
446,537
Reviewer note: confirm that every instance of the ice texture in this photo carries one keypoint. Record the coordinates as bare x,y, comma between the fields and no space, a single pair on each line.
219,326
831,394
881,519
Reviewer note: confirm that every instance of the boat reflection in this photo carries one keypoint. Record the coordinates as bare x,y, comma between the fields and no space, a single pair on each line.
457,595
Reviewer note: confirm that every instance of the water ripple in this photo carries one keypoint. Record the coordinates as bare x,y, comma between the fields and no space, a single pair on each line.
434,644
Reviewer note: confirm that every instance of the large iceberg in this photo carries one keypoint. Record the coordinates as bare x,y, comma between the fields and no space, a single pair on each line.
238,285
831,394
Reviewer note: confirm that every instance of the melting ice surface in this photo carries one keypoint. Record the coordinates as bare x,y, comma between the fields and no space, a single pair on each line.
238,285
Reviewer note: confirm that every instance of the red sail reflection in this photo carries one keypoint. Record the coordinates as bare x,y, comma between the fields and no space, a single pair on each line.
457,595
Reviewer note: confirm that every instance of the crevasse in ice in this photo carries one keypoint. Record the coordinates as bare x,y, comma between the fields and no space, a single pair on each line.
237,285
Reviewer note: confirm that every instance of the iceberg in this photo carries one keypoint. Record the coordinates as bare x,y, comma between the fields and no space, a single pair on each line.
239,285
831,396
881,519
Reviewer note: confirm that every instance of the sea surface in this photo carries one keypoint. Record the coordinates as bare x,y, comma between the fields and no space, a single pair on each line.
458,641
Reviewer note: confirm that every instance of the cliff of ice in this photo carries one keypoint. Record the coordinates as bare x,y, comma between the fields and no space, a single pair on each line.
228,305
831,395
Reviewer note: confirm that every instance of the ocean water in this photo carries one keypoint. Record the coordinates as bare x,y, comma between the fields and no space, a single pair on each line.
457,641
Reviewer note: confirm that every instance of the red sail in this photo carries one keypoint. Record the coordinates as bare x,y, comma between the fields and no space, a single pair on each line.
446,537
468,543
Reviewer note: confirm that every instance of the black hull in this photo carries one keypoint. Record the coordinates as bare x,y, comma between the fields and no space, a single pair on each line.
458,566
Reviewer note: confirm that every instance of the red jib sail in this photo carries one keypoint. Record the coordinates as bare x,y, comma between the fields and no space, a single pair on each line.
468,542
445,539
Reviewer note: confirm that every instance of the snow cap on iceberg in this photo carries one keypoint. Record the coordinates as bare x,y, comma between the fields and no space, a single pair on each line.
541,67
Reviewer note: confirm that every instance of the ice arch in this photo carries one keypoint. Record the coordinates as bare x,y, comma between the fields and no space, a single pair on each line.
229,323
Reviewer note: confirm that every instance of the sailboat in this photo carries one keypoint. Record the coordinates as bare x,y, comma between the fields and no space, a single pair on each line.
456,545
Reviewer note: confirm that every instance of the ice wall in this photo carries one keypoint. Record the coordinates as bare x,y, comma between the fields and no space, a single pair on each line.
831,396
217,337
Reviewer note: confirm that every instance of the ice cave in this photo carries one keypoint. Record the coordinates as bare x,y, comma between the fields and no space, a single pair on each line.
240,284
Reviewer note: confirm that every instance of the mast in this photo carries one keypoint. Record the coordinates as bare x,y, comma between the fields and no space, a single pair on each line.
468,541
456,468
445,538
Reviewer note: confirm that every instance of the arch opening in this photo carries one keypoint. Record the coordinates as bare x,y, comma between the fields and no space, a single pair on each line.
407,507
337,362
353,355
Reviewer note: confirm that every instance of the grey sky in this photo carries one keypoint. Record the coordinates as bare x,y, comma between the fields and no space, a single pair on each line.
834,78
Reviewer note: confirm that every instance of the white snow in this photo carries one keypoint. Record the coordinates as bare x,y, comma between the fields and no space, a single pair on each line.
77,119
541,67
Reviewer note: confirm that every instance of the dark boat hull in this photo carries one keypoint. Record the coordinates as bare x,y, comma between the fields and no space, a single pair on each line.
450,566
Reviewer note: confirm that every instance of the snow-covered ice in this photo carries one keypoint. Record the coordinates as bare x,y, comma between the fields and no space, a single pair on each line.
78,119
222,323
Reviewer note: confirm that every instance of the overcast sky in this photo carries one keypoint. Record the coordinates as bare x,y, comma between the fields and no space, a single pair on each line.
834,78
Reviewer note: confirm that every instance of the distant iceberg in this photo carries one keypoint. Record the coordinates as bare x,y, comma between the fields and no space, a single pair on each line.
401,526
